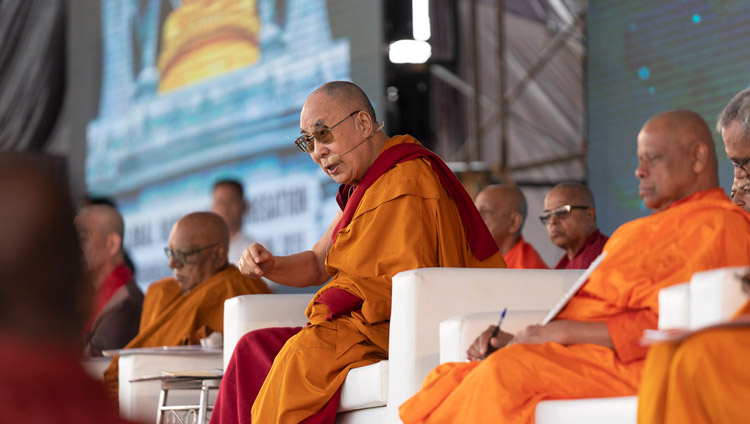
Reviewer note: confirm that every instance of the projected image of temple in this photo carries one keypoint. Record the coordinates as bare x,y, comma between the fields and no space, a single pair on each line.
218,81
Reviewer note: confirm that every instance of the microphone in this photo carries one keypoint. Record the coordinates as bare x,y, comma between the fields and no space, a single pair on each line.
335,159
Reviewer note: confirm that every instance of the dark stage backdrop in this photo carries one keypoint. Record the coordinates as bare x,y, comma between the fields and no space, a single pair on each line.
647,56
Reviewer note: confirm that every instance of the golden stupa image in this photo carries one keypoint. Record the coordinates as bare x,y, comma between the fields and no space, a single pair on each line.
206,38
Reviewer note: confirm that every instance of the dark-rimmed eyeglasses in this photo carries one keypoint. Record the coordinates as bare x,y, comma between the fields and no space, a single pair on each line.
560,212
183,257
741,164
322,133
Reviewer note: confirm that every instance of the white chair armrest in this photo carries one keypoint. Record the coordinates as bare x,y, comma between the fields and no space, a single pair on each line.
715,295
243,314
674,306
422,298
458,333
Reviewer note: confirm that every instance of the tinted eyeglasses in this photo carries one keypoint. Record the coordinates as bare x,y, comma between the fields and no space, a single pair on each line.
560,212
322,133
183,257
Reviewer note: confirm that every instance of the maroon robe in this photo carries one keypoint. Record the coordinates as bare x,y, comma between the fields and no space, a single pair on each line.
586,254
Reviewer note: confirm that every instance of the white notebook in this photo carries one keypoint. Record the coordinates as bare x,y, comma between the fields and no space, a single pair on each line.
573,289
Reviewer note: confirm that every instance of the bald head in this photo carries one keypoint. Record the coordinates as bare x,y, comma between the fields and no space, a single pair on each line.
574,194
339,130
200,241
503,209
676,158
348,93
104,217
42,292
100,228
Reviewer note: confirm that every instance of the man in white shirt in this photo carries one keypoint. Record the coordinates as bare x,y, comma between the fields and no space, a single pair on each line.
229,203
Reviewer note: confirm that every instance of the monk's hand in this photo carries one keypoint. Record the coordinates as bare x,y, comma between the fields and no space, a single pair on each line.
478,350
536,334
256,261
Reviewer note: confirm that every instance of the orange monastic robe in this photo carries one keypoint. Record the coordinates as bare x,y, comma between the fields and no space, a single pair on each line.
643,256
171,318
702,379
523,255
405,220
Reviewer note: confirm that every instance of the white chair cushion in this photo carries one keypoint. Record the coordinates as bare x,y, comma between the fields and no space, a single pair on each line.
615,410
365,387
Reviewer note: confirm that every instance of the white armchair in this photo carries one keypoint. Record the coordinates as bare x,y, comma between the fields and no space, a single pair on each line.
710,297
422,298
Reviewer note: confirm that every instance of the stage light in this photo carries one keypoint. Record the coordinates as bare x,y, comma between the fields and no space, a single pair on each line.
409,51
420,16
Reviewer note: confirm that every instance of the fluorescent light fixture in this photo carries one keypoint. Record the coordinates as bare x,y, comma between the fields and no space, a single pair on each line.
409,51
420,19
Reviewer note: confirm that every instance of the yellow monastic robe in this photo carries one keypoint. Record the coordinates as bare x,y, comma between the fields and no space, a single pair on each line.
405,220
643,256
702,379
171,318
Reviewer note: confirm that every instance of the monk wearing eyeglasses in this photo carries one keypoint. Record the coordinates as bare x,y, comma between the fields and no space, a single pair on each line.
570,219
401,209
182,309
592,348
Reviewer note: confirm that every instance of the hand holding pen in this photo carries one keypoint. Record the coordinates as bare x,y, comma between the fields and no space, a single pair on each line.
491,348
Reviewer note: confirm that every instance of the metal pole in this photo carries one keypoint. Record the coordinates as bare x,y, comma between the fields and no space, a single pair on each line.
475,121
500,12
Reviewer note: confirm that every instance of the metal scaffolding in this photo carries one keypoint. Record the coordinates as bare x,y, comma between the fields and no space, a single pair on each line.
471,158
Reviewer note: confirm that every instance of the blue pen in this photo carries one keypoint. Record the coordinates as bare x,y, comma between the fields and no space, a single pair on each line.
491,348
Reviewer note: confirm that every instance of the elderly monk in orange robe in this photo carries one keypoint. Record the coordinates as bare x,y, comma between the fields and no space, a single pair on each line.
503,209
183,309
705,378
45,300
402,209
592,348
701,379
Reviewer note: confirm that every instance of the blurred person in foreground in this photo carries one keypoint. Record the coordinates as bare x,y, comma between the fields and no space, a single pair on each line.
592,348
503,209
401,208
570,219
181,310
118,301
702,377
45,300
